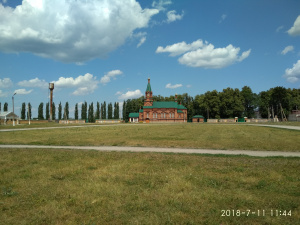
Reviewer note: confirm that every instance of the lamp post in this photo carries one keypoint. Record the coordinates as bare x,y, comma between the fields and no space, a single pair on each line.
13,108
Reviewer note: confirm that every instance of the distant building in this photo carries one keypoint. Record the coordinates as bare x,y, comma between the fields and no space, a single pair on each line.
152,111
6,117
198,119
294,115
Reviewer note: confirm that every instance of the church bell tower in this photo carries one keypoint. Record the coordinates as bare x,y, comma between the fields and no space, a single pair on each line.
148,95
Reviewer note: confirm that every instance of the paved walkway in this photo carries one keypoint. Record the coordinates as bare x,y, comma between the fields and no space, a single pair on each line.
276,126
162,150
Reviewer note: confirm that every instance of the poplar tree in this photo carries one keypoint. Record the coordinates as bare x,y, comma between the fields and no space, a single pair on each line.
103,109
59,111
66,111
29,111
82,111
97,111
47,111
85,110
109,111
124,110
115,111
5,108
53,111
91,113
76,112
118,110
40,111
23,111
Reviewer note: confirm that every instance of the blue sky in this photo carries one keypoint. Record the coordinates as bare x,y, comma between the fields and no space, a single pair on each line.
105,50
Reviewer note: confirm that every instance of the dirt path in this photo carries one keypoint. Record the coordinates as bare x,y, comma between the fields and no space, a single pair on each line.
161,150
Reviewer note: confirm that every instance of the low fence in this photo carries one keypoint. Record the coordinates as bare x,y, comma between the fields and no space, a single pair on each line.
237,121
71,121
108,121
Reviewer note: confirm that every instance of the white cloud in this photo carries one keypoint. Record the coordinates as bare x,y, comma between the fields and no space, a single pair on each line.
172,16
36,82
130,94
3,94
84,85
173,86
23,91
142,41
279,29
180,48
199,54
223,17
6,83
70,31
287,49
293,75
295,29
110,75
160,5
188,86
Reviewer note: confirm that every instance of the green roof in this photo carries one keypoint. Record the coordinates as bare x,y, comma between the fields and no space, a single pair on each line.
166,105
141,110
179,111
133,115
148,88
198,116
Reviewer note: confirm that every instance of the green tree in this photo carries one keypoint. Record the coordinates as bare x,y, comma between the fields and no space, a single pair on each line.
211,103
29,111
231,104
103,109
23,111
53,111
5,108
294,98
97,116
59,111
280,97
124,110
40,111
66,111
116,111
47,110
264,104
249,101
91,113
83,112
76,112
109,111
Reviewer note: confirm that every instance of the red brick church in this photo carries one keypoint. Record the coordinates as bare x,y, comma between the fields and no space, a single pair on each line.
159,111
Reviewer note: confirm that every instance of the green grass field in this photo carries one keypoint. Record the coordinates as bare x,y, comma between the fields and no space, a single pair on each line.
90,187
211,136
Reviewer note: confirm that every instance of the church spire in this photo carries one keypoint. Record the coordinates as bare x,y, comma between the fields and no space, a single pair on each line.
148,86
148,95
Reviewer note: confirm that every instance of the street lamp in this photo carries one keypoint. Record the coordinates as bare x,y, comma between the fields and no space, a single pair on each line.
13,108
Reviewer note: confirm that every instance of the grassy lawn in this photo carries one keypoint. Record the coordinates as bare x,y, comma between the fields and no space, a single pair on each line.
211,136
90,187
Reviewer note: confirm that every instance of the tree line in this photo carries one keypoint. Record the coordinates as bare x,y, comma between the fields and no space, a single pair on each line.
87,111
230,103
